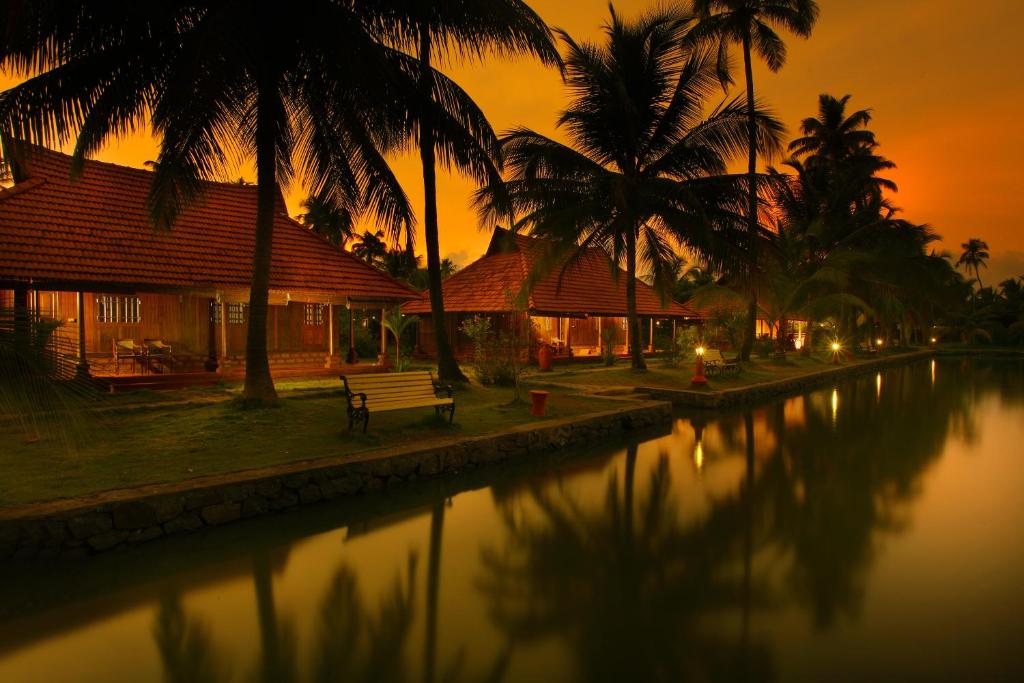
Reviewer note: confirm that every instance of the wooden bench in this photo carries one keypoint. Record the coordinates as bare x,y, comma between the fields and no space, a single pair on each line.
380,392
716,363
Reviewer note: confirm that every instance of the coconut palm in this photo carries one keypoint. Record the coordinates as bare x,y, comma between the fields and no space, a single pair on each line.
644,170
320,91
974,257
324,217
752,24
838,150
370,247
459,28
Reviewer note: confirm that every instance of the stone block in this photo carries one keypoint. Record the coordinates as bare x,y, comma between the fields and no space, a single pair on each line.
287,499
133,514
296,481
186,521
202,498
90,524
167,508
148,534
310,493
107,539
348,484
255,505
222,513
429,465
269,488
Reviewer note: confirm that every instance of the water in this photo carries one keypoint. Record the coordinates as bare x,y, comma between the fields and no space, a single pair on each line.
862,532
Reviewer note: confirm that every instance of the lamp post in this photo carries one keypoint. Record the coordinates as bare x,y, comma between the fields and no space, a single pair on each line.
698,374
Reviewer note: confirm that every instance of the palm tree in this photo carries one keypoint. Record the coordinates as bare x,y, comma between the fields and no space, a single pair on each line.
838,151
371,247
324,217
644,172
464,139
320,91
752,24
973,257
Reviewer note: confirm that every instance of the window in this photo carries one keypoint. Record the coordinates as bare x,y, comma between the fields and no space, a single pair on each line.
237,314
314,315
118,309
215,312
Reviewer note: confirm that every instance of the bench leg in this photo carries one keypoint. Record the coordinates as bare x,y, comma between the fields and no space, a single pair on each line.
451,413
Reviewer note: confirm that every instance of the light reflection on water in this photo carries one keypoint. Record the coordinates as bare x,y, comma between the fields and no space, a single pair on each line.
839,534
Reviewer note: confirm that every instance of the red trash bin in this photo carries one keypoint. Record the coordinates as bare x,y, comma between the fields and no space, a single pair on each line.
538,399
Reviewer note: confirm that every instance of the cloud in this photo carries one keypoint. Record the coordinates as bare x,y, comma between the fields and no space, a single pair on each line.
459,258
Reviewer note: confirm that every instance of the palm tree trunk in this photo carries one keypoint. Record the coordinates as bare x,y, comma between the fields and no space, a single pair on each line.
259,386
977,276
447,367
751,326
433,590
635,350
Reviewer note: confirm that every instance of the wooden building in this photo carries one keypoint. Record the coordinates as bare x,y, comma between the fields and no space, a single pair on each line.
84,252
571,310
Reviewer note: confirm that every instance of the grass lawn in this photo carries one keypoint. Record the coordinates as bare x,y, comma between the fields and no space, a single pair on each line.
111,450
662,374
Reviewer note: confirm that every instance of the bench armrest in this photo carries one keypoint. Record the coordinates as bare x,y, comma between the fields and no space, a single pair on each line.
438,387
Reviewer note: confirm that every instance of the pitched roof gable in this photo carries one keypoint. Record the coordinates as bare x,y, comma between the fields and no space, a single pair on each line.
593,285
95,229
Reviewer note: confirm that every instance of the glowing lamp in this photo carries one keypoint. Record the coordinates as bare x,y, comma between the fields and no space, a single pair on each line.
934,340
835,346
699,350
878,342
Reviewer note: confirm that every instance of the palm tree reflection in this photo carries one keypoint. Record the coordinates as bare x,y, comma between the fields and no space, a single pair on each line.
186,649
624,582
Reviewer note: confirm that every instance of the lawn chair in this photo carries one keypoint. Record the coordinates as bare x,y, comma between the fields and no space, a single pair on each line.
715,363
127,348
158,352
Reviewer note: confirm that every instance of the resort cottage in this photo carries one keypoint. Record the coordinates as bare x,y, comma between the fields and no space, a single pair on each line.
571,309
133,300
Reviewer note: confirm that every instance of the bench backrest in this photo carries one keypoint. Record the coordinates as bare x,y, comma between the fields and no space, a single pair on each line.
714,356
393,386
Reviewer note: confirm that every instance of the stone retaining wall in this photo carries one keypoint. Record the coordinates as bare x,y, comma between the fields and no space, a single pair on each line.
756,393
120,518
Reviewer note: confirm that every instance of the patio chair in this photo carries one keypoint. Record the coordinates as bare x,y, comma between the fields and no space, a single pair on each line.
127,348
158,353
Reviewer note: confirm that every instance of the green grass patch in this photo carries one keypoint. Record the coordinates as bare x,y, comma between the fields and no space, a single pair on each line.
177,442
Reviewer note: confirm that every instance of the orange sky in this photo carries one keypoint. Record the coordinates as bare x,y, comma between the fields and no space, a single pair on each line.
943,78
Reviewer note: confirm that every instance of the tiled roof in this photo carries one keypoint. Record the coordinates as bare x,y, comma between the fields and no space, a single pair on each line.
588,287
96,229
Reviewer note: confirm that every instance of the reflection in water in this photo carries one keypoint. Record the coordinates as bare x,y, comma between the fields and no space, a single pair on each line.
754,545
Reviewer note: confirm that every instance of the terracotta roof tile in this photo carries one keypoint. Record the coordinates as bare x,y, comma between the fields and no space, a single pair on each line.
96,229
589,287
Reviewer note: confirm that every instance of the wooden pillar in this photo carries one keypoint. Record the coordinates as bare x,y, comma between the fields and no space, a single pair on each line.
211,346
330,329
650,336
223,329
600,335
82,369
351,356
627,333
568,337
21,319
383,337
